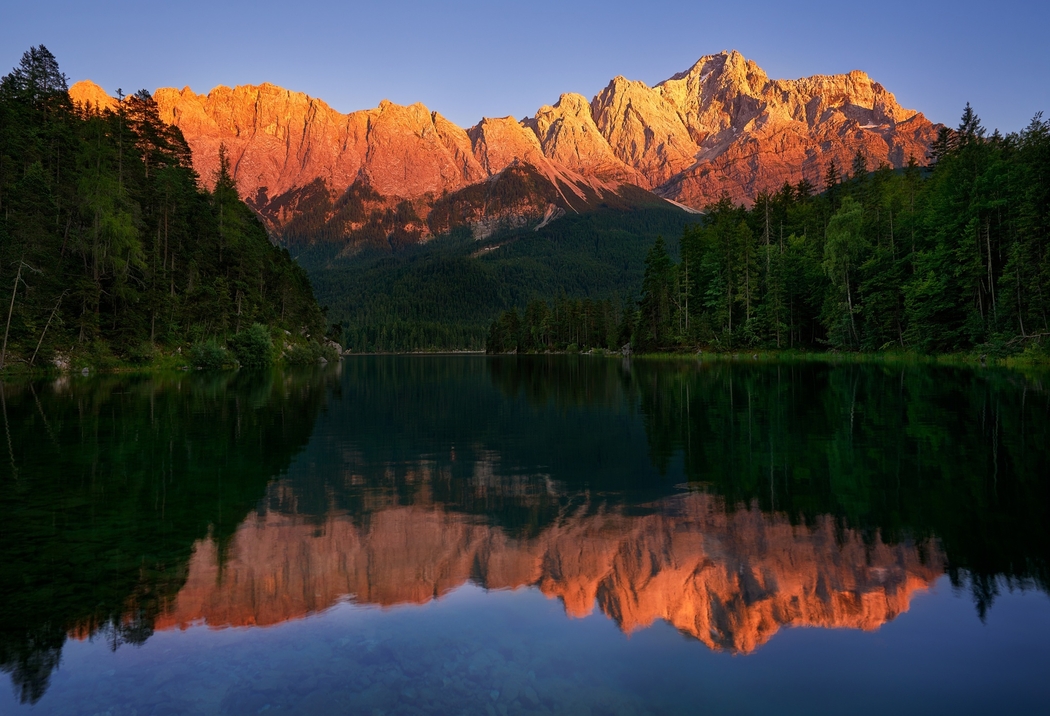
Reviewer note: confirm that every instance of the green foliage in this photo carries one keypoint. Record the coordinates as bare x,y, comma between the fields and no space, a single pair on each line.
844,246
162,463
957,261
445,294
118,244
209,355
309,353
253,347
655,304
141,354
564,325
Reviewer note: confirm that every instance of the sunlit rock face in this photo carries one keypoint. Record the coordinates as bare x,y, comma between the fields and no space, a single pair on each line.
644,130
280,140
505,143
754,133
293,156
500,142
731,579
721,126
570,138
91,97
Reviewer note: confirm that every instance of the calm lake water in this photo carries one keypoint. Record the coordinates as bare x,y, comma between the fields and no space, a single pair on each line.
432,535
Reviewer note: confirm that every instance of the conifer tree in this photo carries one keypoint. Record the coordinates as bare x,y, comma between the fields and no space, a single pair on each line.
655,304
106,205
843,253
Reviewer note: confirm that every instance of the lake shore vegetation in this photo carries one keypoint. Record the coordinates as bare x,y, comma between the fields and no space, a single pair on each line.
113,254
951,259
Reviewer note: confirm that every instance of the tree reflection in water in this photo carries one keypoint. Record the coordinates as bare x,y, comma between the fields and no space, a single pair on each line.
727,499
109,484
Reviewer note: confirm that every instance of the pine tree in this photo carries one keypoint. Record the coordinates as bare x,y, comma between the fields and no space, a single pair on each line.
970,129
943,145
625,331
37,78
831,176
860,167
107,206
843,253
653,330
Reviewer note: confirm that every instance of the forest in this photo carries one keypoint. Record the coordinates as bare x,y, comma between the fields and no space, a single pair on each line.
949,258
110,250
443,294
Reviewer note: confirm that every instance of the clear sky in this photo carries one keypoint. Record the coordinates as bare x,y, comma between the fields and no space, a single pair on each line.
468,59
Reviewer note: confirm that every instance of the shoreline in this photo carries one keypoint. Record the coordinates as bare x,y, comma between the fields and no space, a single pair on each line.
976,361
765,355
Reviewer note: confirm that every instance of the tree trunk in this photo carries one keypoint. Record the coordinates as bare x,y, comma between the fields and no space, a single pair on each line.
849,302
46,326
991,283
10,310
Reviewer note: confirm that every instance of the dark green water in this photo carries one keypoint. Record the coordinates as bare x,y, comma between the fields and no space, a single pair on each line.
536,535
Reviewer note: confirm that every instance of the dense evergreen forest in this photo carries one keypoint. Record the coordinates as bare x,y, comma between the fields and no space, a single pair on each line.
109,248
950,258
443,294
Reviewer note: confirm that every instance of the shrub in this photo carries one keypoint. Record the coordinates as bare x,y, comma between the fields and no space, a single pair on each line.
309,353
140,354
208,355
253,347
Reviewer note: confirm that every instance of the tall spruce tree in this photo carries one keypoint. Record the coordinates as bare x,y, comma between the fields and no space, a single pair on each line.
654,307
107,243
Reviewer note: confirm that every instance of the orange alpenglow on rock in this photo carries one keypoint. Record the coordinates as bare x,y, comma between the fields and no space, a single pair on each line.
753,133
89,95
729,579
721,126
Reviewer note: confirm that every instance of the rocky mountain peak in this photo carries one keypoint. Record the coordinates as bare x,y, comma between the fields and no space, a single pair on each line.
644,130
569,137
89,94
721,126
498,142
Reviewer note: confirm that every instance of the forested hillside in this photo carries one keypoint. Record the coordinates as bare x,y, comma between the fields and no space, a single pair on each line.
948,259
443,294
108,246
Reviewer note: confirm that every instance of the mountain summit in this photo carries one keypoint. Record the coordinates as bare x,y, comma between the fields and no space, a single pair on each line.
407,172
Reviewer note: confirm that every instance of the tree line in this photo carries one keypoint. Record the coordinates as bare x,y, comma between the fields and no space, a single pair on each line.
444,293
952,257
108,244
564,324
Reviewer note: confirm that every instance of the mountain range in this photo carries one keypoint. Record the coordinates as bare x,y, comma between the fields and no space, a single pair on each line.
402,174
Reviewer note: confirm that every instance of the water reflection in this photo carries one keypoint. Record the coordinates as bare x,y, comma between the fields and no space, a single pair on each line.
730,579
728,500
108,484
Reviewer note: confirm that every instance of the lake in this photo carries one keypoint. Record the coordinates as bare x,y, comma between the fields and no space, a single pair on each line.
527,535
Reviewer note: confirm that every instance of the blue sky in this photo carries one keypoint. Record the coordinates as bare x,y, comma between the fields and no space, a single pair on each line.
470,59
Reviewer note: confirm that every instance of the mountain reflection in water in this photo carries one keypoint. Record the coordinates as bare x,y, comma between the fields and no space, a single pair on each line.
726,499
729,579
